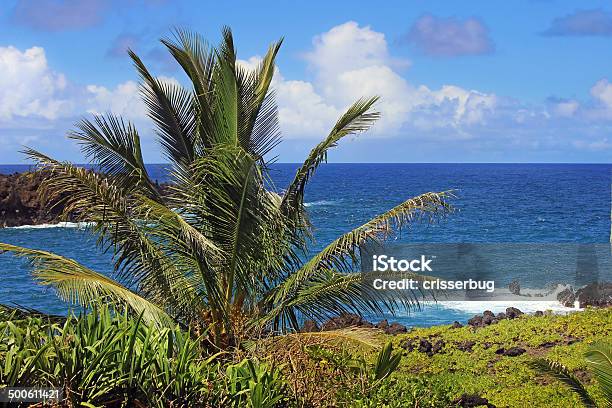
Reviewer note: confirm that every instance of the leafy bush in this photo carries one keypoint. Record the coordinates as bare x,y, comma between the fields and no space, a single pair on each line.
256,385
99,357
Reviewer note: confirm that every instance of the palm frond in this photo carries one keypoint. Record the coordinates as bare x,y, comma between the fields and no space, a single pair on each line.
599,358
342,254
327,293
561,373
359,335
107,208
172,109
78,284
358,118
198,60
113,146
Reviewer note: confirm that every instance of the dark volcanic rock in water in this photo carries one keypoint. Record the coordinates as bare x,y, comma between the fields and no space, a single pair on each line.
595,294
566,297
21,203
515,287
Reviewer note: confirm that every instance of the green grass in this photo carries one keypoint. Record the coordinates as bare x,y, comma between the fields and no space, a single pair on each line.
508,381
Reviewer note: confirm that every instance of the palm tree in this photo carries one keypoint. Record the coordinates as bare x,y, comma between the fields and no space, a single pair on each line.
217,248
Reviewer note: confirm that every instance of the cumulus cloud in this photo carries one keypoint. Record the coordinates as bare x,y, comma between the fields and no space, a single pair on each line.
123,100
351,61
582,23
59,15
29,87
449,37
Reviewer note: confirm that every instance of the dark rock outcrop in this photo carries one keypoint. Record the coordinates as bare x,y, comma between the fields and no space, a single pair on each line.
515,287
595,294
567,297
466,346
21,202
511,352
513,312
395,328
472,400
345,320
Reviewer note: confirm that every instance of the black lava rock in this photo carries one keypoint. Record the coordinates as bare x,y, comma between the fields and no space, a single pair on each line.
513,312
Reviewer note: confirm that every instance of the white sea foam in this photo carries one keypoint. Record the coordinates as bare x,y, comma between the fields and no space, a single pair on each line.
320,203
529,301
497,306
79,225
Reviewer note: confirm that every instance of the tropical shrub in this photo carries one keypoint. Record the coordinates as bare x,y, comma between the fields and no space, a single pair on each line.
100,358
218,248
599,358
255,385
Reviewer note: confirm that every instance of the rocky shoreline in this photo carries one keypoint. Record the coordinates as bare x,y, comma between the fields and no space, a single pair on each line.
21,202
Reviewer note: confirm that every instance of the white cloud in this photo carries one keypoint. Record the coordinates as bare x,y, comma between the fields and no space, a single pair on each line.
350,61
349,47
602,93
28,87
123,100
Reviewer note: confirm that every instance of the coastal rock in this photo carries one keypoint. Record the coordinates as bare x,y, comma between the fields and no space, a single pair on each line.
310,326
456,325
538,313
567,297
21,202
515,287
472,400
345,320
595,294
475,321
383,324
513,312
395,328
514,351
488,318
425,346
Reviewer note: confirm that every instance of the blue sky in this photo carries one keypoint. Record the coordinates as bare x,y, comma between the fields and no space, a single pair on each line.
478,81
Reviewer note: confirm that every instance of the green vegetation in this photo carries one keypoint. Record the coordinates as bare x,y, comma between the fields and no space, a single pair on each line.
218,250
103,359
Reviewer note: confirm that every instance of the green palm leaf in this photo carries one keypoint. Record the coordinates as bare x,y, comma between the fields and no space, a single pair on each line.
599,358
561,373
358,118
80,285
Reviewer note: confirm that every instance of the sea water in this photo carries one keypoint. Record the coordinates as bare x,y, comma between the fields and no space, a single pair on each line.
495,203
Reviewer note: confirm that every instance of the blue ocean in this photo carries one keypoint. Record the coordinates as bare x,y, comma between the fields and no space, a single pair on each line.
495,203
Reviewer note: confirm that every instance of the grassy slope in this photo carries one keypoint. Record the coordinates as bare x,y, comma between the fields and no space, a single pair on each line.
507,381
